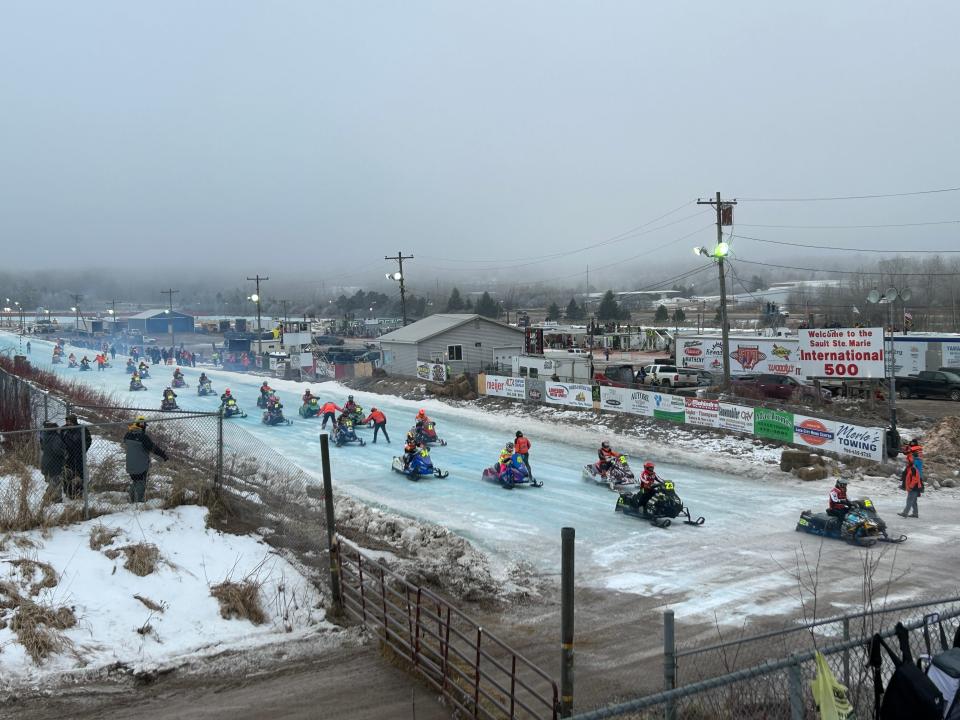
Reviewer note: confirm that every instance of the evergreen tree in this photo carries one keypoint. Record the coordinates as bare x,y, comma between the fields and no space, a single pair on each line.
455,303
468,305
553,312
487,307
679,315
574,311
609,310
661,316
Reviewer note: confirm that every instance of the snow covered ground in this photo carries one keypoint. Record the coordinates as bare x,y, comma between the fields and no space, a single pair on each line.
113,626
734,564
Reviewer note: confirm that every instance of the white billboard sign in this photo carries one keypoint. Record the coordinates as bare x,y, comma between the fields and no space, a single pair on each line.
747,355
508,387
855,353
572,394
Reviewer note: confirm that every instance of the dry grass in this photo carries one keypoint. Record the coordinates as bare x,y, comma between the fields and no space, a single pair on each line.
240,600
150,604
28,570
38,628
142,558
101,536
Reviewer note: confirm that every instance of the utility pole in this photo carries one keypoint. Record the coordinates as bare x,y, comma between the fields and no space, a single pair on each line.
399,277
256,299
284,304
170,293
724,210
76,309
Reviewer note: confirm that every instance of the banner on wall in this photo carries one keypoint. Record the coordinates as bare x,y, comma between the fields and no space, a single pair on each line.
773,424
570,394
747,355
815,433
434,372
738,418
842,353
668,407
950,355
860,442
702,412
508,387
910,357
614,399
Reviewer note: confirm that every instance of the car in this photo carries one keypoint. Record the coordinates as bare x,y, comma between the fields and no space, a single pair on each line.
669,376
930,383
780,387
705,378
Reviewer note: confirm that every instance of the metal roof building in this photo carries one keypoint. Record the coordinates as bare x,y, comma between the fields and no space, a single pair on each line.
155,322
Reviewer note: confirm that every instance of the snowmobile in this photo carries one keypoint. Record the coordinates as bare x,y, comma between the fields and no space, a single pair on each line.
860,526
84,366
136,385
231,409
178,382
206,388
427,433
262,400
56,359
72,364
620,477
274,416
310,409
144,372
356,416
344,433
513,477
168,404
663,506
420,466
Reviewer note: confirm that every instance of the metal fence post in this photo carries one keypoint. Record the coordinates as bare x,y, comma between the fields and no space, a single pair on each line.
83,454
669,662
46,406
332,547
567,536
219,477
796,689
846,652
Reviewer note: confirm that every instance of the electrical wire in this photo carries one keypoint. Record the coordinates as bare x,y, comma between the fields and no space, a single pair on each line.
854,227
852,197
845,249
850,272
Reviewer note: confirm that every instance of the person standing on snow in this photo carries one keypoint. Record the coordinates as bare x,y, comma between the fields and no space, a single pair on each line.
329,411
76,440
379,421
523,450
53,457
913,484
139,446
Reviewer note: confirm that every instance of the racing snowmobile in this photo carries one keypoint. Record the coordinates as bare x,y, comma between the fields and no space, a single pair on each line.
57,359
206,388
84,365
860,526
510,478
420,466
356,416
620,477
274,416
231,409
178,382
144,372
262,400
662,507
427,433
136,385
168,403
310,409
344,433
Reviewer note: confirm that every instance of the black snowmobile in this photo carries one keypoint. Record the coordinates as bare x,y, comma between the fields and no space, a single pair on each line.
274,416
662,507
205,388
861,525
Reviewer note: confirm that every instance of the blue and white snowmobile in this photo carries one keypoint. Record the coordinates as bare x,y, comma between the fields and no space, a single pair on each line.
420,466
344,434
514,475
205,388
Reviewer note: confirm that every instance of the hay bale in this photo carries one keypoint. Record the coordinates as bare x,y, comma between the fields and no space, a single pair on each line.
811,472
240,600
791,458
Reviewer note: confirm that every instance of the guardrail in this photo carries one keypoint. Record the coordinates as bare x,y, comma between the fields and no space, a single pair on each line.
478,673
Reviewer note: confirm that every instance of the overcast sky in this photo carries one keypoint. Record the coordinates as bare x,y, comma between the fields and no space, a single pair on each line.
316,137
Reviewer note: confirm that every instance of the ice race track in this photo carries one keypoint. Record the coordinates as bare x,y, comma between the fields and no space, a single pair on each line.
737,565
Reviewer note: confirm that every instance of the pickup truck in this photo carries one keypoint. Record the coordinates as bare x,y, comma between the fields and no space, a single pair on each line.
779,387
930,383
669,376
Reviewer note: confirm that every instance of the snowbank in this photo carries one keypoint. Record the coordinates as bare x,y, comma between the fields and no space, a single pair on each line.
162,618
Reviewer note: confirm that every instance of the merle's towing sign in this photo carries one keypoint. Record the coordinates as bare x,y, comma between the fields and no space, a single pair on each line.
861,442
842,353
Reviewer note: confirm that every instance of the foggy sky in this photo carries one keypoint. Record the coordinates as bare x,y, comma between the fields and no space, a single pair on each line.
312,138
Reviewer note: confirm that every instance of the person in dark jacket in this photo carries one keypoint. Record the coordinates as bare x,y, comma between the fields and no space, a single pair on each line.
53,456
139,447
76,440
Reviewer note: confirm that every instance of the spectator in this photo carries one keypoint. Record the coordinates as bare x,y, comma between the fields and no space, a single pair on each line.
379,423
113,352
76,440
53,456
139,447
912,482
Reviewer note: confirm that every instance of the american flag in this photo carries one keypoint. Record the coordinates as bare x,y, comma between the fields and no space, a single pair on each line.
907,315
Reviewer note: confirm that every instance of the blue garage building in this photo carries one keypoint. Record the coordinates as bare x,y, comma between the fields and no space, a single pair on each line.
157,322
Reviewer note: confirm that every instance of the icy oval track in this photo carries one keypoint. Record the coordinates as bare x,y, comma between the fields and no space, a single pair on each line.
713,566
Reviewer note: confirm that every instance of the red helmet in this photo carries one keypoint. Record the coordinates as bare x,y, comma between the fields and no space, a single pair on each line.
227,391
648,465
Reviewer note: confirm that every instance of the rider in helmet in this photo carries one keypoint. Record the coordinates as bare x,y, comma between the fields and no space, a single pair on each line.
178,374
838,505
307,397
203,378
421,417
226,396
648,483
349,407
505,455
409,450
606,457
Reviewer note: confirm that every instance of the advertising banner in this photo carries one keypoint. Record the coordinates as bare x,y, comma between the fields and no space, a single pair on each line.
951,355
773,424
536,389
614,398
668,407
843,353
861,442
747,355
815,433
703,412
434,372
738,418
910,357
508,387
571,394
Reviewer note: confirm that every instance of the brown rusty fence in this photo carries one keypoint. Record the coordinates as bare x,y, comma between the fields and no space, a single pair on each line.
481,676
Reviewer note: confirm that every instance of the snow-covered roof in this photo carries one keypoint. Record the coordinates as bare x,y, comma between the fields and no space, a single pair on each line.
150,314
435,324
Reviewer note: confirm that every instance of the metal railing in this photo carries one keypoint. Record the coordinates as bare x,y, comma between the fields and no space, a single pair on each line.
478,673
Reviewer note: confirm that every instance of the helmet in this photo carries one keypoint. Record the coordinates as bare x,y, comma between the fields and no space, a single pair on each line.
605,444
227,391
519,434
841,482
648,465
410,436
509,446
623,459
349,397
141,421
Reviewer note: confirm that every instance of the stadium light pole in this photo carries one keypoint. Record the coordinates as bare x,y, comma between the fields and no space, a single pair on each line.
889,297
720,251
256,300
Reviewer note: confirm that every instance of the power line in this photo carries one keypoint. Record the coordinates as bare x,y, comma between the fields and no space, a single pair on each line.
846,249
854,227
850,272
854,197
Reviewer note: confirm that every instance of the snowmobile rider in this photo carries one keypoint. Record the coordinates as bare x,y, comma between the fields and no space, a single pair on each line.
607,458
838,504
135,383
265,389
273,401
511,461
409,450
349,407
648,483
329,409
72,359
169,394
226,396
204,380
421,417
505,456
131,368
307,397
178,374
85,363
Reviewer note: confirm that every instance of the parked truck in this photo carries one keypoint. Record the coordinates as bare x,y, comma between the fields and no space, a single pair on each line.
930,383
